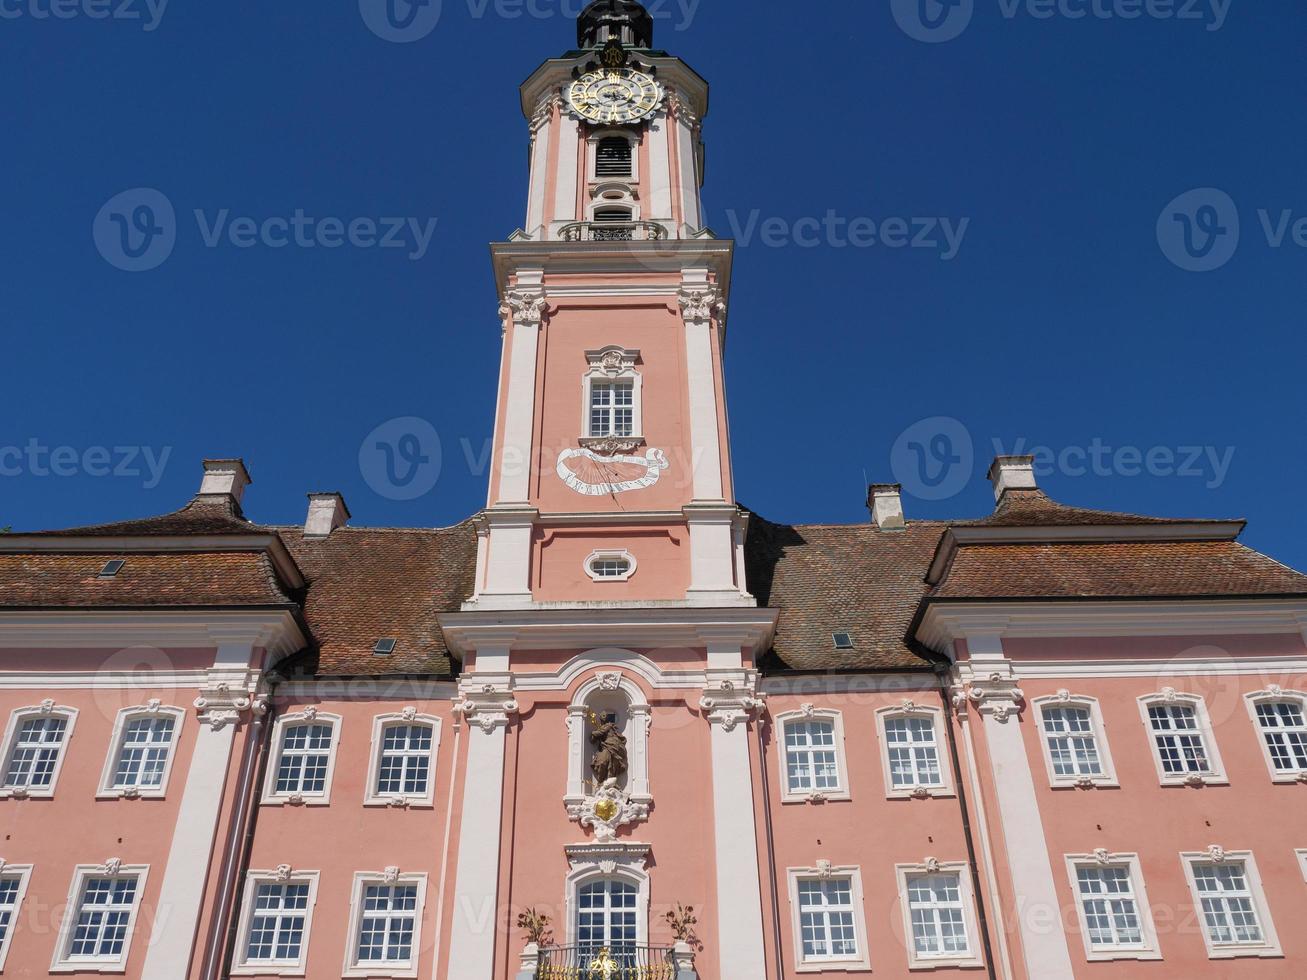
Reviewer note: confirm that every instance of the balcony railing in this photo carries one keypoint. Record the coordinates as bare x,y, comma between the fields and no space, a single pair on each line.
612,231
604,963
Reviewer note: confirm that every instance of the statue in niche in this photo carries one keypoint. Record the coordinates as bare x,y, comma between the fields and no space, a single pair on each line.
608,764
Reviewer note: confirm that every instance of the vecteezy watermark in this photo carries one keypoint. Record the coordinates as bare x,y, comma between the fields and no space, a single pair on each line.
401,459
933,458
936,21
405,21
942,236
1208,463
1199,231
147,12
125,462
137,230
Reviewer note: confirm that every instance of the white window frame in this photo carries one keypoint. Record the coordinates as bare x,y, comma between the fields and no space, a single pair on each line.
930,866
282,875
610,554
591,871
1271,696
592,156
391,876
62,963
23,872
45,709
308,716
1270,945
1097,727
1301,855
908,709
1169,696
1148,948
380,723
125,717
620,368
825,871
807,713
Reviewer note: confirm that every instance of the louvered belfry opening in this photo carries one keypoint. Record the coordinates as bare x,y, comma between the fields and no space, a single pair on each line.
613,158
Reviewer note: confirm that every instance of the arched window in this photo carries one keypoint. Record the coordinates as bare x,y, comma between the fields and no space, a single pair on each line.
607,917
141,751
1180,735
1076,753
613,157
34,750
1281,720
402,768
812,755
304,747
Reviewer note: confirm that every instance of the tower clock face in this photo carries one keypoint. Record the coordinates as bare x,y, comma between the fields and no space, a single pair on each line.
615,96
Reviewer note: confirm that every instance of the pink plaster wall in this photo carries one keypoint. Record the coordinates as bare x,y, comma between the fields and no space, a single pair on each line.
660,551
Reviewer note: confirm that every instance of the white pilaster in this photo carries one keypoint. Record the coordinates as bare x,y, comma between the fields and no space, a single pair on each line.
541,132
994,693
660,168
220,704
686,127
712,555
565,179
486,703
700,301
729,704
523,308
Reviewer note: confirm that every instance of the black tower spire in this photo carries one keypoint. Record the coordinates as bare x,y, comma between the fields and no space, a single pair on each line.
625,20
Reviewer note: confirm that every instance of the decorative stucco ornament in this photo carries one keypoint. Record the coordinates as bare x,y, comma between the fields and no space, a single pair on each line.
606,810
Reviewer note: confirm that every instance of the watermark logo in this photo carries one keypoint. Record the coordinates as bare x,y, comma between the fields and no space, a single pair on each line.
401,459
1199,230
36,459
933,21
401,21
933,458
1211,464
147,12
136,230
941,235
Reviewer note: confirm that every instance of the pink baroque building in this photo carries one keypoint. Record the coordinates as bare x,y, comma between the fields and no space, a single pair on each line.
1048,743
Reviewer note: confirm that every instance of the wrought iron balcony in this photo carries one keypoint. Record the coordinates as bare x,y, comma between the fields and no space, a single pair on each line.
612,231
585,962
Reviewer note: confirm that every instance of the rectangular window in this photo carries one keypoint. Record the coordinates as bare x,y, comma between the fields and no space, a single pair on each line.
1230,904
826,919
13,885
143,755
96,931
939,927
612,408
34,754
278,923
1179,739
1111,912
913,752
1285,731
811,763
405,760
1072,747
302,767
385,924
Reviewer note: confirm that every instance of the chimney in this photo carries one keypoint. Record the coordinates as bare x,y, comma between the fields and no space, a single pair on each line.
1012,473
327,511
225,477
885,501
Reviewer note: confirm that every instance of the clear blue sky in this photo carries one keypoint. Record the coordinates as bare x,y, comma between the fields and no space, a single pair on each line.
1059,322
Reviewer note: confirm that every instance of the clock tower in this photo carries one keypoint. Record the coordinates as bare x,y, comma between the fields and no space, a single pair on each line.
611,478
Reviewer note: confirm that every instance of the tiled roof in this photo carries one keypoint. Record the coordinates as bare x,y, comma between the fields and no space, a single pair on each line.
155,580
1022,508
1116,569
854,579
365,584
213,514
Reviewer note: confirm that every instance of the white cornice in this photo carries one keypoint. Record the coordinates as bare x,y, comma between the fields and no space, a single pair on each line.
160,544
944,622
553,629
274,630
668,257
